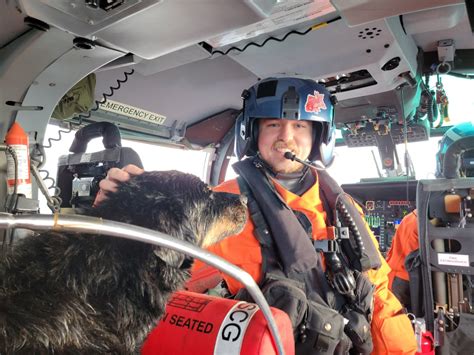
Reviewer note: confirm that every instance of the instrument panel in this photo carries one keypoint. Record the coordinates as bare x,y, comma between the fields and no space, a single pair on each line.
384,216
385,203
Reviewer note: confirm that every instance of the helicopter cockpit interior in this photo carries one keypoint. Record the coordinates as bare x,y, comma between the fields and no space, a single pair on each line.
171,74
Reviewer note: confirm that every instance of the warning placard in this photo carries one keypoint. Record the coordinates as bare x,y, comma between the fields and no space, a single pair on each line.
283,14
453,259
133,112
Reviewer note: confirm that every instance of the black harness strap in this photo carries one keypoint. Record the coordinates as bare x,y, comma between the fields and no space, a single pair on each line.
262,231
341,205
272,266
295,250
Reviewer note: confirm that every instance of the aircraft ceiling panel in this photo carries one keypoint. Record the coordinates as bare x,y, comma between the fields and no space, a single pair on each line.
149,28
461,33
336,50
359,12
11,23
188,93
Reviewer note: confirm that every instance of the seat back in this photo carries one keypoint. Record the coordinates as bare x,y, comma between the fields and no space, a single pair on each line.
79,173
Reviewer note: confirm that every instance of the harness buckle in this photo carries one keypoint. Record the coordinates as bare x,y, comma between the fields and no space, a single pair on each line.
325,246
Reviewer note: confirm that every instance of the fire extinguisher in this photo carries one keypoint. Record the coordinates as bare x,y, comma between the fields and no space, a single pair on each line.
17,141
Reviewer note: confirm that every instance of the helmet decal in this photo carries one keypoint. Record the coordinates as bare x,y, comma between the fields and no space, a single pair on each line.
315,103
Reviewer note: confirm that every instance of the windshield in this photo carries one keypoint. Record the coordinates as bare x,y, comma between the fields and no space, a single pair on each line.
353,164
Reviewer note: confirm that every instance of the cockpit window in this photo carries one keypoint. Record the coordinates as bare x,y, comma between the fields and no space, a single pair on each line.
461,100
153,157
353,164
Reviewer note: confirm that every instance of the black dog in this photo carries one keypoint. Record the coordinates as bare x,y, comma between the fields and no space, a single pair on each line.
74,293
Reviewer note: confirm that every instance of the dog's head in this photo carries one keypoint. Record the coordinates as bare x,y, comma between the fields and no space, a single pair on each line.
177,204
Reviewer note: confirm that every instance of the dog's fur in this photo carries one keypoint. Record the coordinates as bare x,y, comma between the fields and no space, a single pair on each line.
75,293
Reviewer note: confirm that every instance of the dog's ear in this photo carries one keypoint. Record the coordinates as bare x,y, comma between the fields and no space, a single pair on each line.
170,257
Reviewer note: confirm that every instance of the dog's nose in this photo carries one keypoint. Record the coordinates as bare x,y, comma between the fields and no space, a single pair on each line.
243,199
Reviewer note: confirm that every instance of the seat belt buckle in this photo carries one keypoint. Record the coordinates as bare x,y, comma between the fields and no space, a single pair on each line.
325,245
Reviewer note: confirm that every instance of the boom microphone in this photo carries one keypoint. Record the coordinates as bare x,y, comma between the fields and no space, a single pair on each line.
290,156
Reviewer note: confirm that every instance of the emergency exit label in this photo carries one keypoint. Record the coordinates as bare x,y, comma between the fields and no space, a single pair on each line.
132,112
453,259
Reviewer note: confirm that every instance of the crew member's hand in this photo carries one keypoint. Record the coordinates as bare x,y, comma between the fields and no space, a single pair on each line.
113,178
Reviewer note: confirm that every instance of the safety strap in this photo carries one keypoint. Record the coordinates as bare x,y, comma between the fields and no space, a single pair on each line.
272,266
357,245
262,231
341,205
294,248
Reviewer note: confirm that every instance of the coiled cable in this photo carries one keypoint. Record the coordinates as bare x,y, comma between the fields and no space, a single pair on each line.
255,44
348,221
40,163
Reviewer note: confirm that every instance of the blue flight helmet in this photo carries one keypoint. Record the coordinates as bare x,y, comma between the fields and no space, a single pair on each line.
290,99
455,157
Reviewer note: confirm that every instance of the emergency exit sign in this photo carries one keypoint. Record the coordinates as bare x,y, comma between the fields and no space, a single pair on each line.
132,112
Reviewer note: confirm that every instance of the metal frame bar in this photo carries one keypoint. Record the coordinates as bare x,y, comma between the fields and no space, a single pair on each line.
76,223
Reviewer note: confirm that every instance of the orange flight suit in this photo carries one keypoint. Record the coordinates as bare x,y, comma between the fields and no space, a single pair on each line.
404,242
391,330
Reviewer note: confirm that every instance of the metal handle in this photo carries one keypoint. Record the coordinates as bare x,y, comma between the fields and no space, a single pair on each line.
76,223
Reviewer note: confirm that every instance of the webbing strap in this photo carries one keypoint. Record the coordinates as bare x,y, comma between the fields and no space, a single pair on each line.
262,231
369,258
294,249
107,155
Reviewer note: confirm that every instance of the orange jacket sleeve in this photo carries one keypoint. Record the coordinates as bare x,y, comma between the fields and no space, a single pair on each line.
392,332
404,242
